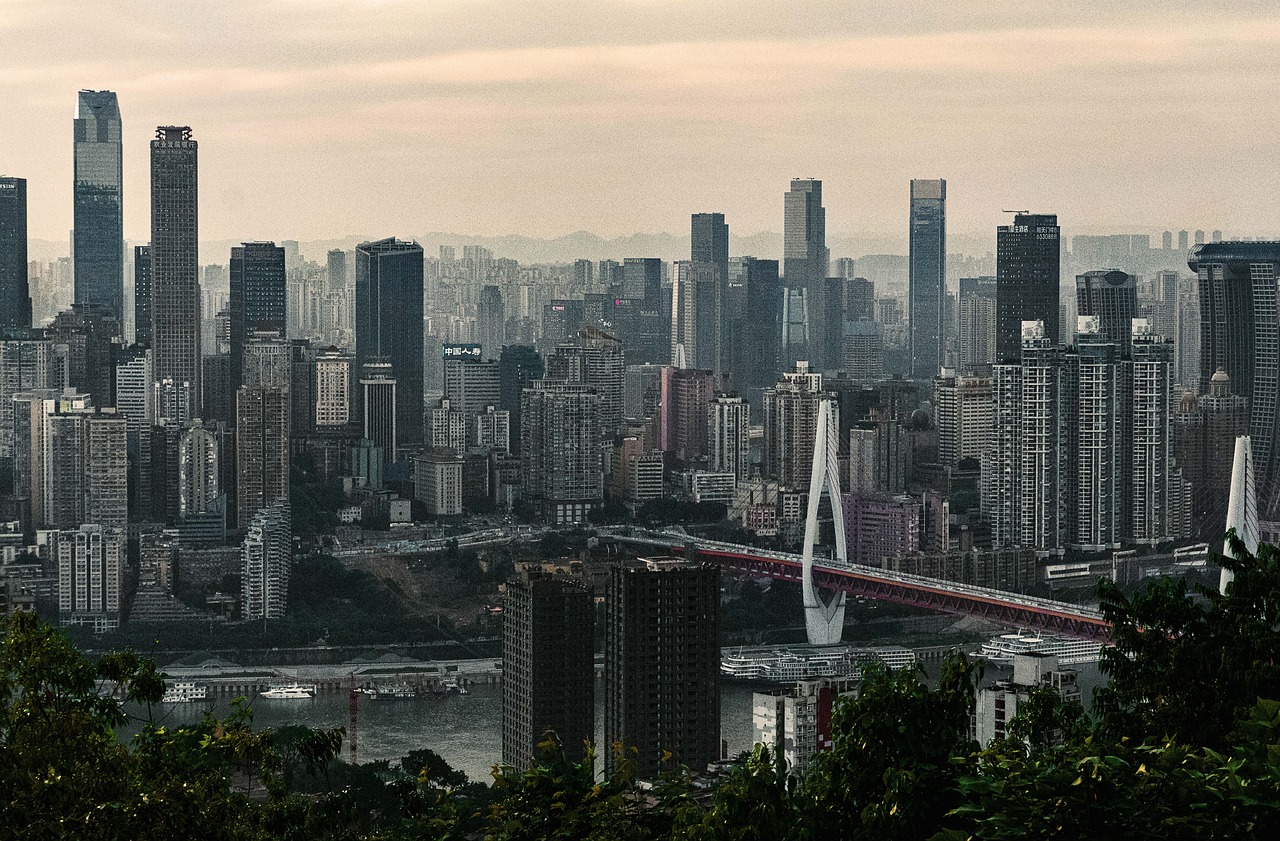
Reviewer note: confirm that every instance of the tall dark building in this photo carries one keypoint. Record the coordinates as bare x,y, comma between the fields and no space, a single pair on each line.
761,336
1112,298
15,294
548,662
709,241
518,366
804,270
98,235
662,662
337,270
175,314
709,248
257,298
491,321
926,277
641,278
91,335
1028,254
389,300
1240,335
142,292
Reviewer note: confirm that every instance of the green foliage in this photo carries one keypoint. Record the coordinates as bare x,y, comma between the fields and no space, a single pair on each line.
315,500
758,802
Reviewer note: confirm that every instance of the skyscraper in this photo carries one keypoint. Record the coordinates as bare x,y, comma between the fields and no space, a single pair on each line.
175,242
89,560
333,389
595,359
264,557
389,302
761,344
379,403
336,269
695,316
1112,298
926,279
262,450
142,293
977,334
728,429
518,366
790,425
15,294
256,300
491,321
1028,254
560,449
1240,334
548,662
804,270
98,234
662,662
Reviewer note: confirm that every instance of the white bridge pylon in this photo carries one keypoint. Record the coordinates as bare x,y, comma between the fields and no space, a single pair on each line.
1242,506
823,618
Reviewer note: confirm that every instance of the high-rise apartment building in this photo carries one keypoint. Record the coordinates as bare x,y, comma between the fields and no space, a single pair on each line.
262,450
977,328
560,449
89,333
199,471
333,388
1240,334
265,556
175,315
926,278
662,662
134,395
336,270
791,424
1096,391
389,311
437,479
1028,255
696,298
493,429
1205,431
15,292
863,352
548,661
686,398
729,435
1112,298
256,300
962,412
518,366
89,560
804,270
83,460
97,196
596,360
1150,480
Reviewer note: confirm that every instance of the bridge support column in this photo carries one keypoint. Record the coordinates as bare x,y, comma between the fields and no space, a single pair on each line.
823,617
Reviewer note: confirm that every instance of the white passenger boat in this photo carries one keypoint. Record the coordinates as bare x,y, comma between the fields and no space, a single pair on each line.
1001,649
183,692
290,692
787,664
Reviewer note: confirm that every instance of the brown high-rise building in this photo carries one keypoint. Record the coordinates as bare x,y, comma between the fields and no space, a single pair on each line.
175,315
548,661
662,663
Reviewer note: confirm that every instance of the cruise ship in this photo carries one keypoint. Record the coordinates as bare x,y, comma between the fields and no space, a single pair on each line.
803,662
1000,649
182,692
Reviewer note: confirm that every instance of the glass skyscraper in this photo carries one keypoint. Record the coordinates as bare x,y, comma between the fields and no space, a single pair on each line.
926,282
98,235
256,300
804,270
389,299
15,297
175,316
1028,257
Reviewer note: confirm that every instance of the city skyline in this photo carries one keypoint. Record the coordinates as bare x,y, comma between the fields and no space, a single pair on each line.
378,131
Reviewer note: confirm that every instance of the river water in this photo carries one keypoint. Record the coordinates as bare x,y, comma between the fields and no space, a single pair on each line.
466,730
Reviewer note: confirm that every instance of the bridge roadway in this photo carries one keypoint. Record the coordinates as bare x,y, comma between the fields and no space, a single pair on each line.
1005,608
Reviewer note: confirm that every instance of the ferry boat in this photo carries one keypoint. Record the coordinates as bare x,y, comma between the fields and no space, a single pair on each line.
1000,649
183,692
803,662
291,692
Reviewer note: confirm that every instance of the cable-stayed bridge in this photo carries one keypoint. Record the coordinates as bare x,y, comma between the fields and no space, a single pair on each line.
1006,608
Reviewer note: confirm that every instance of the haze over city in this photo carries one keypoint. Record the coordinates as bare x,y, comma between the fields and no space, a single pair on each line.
321,119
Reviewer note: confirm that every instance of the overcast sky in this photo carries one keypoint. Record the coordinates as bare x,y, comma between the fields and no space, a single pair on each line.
322,118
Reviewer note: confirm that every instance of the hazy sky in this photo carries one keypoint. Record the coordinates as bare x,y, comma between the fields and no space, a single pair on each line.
321,118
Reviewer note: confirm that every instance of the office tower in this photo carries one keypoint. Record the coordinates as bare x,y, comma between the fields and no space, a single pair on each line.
761,343
98,232
804,270
491,321
199,471
1028,492
1240,334
709,246
256,300
641,277
175,314
262,450
218,403
709,241
686,397
790,425
584,275
1112,298
518,366
267,360
380,415
336,270
927,282
695,316
560,450
142,292
471,385
389,310
846,267
1028,253
881,455
134,396
302,387
609,274
962,411
493,429
1150,479
265,556
863,352
548,662
729,435
333,388
859,299
89,560
447,427
662,663
15,291
437,482
596,360
90,333
642,391
25,364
